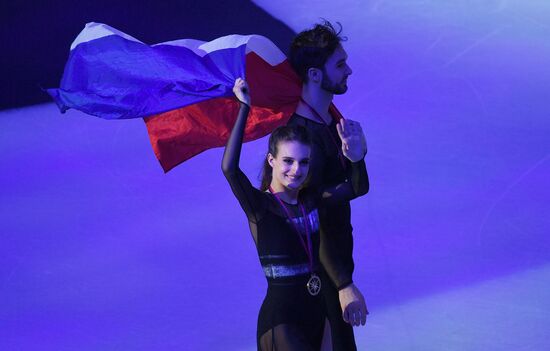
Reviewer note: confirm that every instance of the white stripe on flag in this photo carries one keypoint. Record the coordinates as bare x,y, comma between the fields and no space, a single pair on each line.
262,46
95,30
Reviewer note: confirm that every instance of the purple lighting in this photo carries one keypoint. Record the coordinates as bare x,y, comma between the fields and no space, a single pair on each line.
100,250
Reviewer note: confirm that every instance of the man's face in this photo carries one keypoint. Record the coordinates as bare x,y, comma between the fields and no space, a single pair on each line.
336,72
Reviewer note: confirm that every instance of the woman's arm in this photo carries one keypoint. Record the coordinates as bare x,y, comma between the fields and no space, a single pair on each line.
248,196
232,153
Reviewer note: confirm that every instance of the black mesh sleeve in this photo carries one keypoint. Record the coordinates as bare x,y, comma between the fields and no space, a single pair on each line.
248,196
356,184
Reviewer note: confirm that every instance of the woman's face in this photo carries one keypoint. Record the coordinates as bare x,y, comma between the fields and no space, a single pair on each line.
291,165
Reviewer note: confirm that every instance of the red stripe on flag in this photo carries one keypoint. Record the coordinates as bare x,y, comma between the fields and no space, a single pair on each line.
183,133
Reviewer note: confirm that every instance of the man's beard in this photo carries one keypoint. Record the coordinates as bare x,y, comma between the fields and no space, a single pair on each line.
332,87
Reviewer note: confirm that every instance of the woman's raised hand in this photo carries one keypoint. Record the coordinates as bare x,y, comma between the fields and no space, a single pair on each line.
354,144
241,91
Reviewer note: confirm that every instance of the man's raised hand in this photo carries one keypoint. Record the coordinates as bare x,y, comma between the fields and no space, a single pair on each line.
354,144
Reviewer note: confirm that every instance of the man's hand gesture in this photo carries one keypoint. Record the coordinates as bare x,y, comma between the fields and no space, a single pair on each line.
354,144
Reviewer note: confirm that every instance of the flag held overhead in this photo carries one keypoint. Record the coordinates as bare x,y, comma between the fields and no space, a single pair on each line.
182,88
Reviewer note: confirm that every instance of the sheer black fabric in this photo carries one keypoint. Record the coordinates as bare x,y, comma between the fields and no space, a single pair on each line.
291,337
290,318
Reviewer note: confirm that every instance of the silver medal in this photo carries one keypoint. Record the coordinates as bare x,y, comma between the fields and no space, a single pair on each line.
314,285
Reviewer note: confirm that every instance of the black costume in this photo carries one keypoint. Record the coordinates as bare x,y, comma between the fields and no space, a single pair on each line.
327,168
290,318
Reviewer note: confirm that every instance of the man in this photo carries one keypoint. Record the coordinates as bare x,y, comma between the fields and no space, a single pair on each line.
319,59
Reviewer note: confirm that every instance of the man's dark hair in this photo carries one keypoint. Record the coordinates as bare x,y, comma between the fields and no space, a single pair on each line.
312,48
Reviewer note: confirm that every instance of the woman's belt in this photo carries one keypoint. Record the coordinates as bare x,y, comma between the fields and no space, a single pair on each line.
281,271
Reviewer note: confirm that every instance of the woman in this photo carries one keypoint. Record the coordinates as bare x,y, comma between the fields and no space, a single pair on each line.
285,226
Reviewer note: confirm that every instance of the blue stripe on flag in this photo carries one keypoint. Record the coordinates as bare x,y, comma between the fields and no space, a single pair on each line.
113,78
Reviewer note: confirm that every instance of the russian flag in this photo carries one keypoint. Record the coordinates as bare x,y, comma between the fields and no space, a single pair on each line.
182,89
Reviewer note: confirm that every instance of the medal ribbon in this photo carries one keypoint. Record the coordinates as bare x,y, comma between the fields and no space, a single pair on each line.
340,156
307,247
